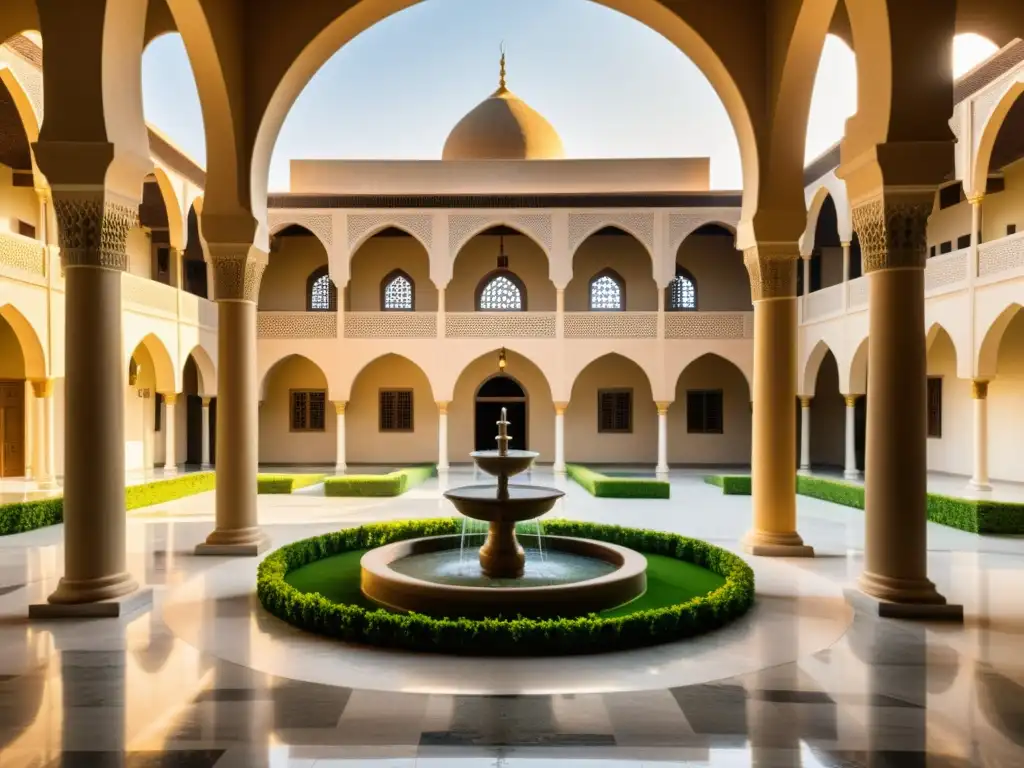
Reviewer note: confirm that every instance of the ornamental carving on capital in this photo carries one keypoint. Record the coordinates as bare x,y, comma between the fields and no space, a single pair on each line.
772,269
236,273
93,230
893,231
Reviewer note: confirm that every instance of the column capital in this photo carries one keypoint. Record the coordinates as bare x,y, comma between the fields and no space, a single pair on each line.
42,387
979,389
92,228
976,199
442,407
851,400
339,406
170,398
844,244
662,406
206,402
892,227
560,407
772,269
237,271
805,401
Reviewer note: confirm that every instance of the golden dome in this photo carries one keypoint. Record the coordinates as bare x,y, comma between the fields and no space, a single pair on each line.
503,127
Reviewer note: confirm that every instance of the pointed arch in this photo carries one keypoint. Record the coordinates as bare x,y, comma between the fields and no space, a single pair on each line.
31,118
321,292
574,375
164,369
809,378
464,227
500,290
989,132
269,365
857,378
207,370
28,340
319,226
681,294
639,226
988,350
407,223
397,292
607,291
173,205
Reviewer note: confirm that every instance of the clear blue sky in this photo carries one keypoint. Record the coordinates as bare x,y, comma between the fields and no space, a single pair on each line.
611,87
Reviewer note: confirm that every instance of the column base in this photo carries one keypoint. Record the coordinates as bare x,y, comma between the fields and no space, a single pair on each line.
558,469
75,592
340,468
975,485
112,608
804,469
852,474
870,605
770,544
443,467
247,542
661,469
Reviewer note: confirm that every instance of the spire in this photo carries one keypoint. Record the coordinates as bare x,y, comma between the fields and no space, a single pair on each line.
501,70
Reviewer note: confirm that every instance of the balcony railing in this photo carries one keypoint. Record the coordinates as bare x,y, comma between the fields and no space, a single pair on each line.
1003,255
297,325
823,303
611,325
148,296
21,256
709,325
390,325
857,298
490,325
947,272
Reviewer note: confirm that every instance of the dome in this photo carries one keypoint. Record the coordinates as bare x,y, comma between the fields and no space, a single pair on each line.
503,127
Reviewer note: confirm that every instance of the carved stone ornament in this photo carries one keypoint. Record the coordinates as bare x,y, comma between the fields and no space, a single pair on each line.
93,230
236,272
893,231
772,269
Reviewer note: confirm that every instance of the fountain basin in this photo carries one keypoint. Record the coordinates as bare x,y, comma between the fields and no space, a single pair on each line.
525,502
403,592
511,463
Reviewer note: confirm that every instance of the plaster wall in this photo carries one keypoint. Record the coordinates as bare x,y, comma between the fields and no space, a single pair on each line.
583,442
624,254
733,445
278,443
479,256
377,258
954,450
722,281
365,443
1006,406
291,262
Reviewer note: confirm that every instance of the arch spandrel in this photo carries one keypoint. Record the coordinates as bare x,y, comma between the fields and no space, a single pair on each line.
994,113
270,359
362,363
738,356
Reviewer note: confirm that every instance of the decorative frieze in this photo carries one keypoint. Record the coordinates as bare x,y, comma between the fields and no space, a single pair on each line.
682,225
22,254
637,223
463,227
707,325
419,225
611,325
497,325
390,325
297,325
320,224
893,230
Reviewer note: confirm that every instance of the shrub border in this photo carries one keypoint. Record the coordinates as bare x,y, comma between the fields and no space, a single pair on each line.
607,487
498,636
971,515
277,482
392,484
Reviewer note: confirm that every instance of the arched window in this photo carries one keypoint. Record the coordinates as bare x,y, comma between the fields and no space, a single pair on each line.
682,291
607,291
321,293
501,291
396,293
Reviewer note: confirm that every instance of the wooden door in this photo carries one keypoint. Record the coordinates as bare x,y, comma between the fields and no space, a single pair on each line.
12,428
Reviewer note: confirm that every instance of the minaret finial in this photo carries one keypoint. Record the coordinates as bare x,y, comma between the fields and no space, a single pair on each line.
501,70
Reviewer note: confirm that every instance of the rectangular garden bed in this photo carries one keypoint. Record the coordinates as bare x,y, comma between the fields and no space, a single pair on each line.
610,487
392,484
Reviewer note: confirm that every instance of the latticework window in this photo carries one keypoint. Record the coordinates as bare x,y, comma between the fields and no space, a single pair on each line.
501,293
308,410
704,411
615,410
934,406
396,410
321,293
606,292
397,293
682,292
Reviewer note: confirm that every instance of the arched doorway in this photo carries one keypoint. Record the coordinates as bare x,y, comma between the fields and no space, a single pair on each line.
497,392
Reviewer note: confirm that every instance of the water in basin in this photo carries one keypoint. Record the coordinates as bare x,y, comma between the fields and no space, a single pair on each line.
553,567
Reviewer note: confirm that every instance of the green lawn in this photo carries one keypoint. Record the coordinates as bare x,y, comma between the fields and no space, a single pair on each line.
669,581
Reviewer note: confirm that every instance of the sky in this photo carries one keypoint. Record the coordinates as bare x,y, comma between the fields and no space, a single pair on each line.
610,86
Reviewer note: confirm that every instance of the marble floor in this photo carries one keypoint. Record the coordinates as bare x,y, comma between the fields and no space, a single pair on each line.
206,678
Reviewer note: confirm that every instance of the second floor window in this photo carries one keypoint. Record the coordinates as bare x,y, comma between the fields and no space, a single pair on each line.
321,294
501,292
397,293
682,291
607,292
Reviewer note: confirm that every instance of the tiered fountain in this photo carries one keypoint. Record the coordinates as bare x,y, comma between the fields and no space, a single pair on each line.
433,576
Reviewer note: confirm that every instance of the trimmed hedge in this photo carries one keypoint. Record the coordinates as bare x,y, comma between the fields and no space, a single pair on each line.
392,484
971,515
731,485
503,636
617,487
285,483
22,516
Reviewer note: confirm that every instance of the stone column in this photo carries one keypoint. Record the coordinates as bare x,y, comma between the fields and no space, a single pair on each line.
661,313
339,428
442,434
93,230
892,228
559,465
42,438
206,432
560,313
975,233
846,276
238,269
440,313
662,468
772,269
979,480
850,472
170,436
805,433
